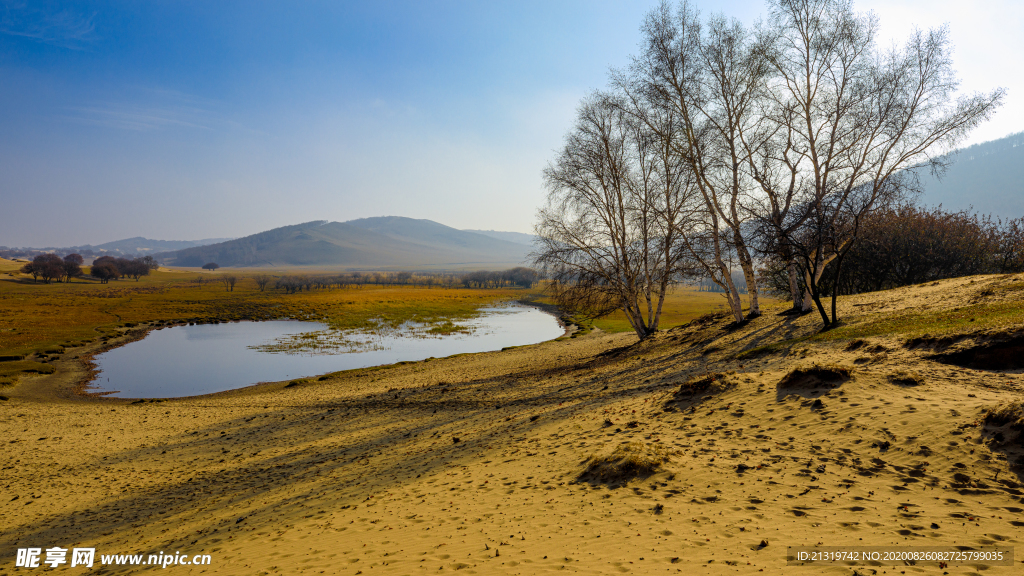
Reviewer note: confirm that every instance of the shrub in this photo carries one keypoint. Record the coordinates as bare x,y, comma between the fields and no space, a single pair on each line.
815,376
904,378
626,462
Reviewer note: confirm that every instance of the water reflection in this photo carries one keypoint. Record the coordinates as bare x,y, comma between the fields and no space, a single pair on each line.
191,360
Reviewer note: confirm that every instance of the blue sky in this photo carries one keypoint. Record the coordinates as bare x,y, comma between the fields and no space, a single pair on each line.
186,120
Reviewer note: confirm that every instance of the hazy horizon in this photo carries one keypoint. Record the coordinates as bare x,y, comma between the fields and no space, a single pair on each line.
200,120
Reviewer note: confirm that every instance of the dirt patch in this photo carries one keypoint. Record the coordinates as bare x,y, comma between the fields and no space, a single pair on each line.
625,463
816,377
1005,354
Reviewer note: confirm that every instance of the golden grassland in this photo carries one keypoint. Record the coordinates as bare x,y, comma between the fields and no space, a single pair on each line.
929,311
682,305
10,266
38,321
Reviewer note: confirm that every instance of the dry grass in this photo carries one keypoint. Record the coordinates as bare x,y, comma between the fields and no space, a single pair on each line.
815,376
705,384
625,463
10,266
1010,413
681,306
963,319
906,378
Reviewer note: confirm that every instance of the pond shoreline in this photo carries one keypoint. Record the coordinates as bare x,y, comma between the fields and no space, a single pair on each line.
76,370
202,360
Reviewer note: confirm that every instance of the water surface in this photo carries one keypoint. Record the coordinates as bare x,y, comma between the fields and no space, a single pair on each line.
191,360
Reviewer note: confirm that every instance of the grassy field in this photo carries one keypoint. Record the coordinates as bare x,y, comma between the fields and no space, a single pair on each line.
681,306
10,267
38,321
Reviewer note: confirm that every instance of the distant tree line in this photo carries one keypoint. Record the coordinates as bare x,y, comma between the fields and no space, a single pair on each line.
107,268
86,254
910,245
51,267
516,277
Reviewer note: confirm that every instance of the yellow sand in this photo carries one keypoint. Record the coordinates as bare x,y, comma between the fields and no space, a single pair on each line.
362,473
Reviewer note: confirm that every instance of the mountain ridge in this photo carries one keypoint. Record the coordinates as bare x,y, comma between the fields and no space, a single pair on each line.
382,242
987,178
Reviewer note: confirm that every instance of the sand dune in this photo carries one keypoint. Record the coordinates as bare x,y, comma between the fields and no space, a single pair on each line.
492,463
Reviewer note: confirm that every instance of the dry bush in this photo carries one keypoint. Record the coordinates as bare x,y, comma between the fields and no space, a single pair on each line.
709,383
816,376
1010,413
696,389
905,378
626,462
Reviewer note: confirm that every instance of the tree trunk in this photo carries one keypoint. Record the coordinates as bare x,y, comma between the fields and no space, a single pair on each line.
747,264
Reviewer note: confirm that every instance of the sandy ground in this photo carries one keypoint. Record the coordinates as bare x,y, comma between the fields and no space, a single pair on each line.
473,462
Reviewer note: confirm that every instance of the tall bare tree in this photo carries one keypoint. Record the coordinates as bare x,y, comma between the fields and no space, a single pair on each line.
609,231
711,77
856,122
796,132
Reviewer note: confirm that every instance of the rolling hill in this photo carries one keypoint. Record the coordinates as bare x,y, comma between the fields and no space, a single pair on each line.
369,243
140,245
514,237
988,177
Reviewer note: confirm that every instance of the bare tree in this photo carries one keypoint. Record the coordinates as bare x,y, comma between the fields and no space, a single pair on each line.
856,122
229,282
47,266
608,233
136,268
72,266
104,271
261,281
711,79
29,268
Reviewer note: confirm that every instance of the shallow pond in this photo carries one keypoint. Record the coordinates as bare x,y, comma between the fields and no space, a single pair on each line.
191,360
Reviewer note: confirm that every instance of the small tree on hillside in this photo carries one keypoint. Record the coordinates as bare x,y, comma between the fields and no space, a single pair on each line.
211,266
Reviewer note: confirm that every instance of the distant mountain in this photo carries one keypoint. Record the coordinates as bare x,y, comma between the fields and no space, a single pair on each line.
368,243
516,237
139,245
987,176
